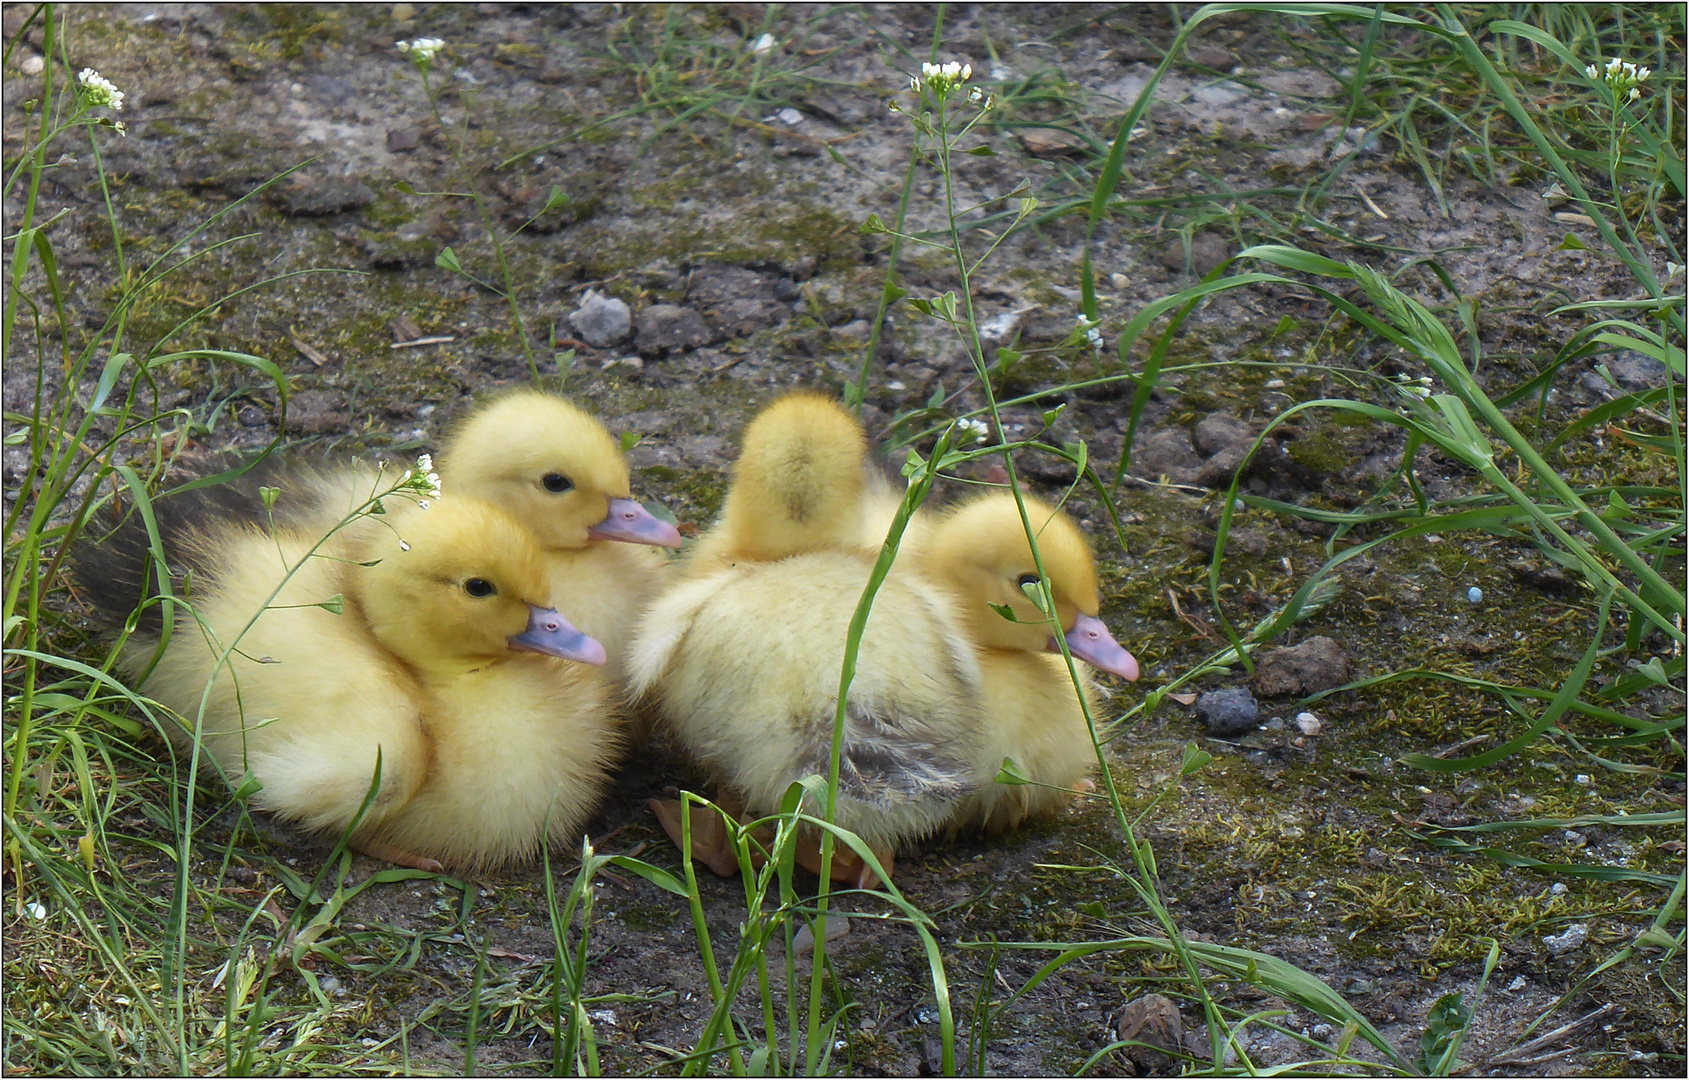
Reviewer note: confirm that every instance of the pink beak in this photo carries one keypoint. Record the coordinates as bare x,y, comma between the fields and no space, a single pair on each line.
633,524
1090,641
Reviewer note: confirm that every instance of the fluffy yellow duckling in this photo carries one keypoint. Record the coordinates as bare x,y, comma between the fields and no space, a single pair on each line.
742,659
979,553
442,660
555,469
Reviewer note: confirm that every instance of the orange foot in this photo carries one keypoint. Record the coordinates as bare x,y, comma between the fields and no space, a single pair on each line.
848,866
711,843
380,849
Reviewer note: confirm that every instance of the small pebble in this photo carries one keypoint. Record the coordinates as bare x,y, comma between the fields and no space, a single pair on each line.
1309,724
803,941
1275,384
1227,711
32,65
1573,938
1519,983
330,984
36,909
1475,595
1559,888
606,1017
1583,779
790,116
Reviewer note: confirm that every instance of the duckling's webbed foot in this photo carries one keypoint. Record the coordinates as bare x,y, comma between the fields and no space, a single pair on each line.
380,849
848,866
712,844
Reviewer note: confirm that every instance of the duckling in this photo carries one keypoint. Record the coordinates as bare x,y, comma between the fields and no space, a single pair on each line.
742,658
979,554
556,470
426,645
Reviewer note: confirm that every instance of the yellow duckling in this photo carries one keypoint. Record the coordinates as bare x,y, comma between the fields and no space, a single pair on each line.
979,553
440,658
742,659
556,470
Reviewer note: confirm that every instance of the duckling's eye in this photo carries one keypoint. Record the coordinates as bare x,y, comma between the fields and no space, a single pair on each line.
479,588
1027,579
557,483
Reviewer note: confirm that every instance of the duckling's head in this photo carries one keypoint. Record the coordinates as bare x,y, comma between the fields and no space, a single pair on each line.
460,581
980,550
797,485
554,468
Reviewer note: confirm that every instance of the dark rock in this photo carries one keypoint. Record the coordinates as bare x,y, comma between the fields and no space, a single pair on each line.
1217,471
401,140
665,328
1549,579
802,268
1211,56
1154,1021
1228,711
1636,372
317,412
601,321
1168,453
1217,431
318,198
1315,665
1207,251
787,290
736,302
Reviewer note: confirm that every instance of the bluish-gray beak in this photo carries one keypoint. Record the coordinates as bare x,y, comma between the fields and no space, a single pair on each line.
551,634
631,523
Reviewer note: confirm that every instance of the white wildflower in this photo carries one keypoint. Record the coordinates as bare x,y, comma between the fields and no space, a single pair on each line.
1093,336
1622,76
428,477
99,90
421,50
762,44
942,78
981,430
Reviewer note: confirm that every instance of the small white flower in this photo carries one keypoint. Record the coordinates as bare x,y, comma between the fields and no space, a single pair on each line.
421,50
981,430
762,44
942,78
99,90
1622,76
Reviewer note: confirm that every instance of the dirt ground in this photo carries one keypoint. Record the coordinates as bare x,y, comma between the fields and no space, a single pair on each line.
737,245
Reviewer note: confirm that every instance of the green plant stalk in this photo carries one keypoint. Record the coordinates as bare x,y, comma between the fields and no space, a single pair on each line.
915,494
1145,887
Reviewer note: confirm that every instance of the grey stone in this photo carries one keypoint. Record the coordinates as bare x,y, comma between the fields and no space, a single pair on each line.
601,320
1315,665
1217,431
666,328
1636,372
1154,1022
1570,940
317,412
1228,711
1168,453
319,198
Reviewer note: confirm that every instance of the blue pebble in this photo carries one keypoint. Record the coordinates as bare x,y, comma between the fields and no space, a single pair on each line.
1475,595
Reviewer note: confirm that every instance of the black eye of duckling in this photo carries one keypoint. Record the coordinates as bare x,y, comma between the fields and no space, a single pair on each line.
557,483
1027,579
479,588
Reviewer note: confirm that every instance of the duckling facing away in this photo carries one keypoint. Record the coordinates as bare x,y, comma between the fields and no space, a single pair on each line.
442,659
979,554
742,659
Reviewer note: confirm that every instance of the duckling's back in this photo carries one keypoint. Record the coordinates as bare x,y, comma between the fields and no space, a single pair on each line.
797,486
